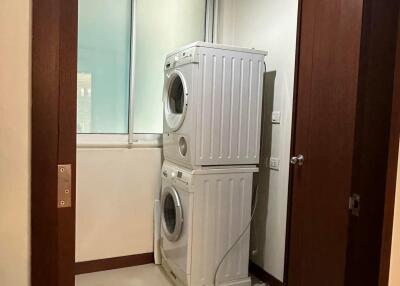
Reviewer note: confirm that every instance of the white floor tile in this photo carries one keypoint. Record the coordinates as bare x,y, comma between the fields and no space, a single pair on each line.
144,275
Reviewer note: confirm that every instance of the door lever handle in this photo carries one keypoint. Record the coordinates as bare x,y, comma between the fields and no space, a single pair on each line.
297,160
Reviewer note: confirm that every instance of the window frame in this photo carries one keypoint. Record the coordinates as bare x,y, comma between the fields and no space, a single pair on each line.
142,140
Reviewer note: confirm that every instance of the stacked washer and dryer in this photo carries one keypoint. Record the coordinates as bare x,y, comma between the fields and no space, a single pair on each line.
211,145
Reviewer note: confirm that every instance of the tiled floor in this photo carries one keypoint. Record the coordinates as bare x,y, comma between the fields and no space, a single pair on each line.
145,275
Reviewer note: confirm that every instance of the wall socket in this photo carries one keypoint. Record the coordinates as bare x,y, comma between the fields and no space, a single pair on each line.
276,117
274,163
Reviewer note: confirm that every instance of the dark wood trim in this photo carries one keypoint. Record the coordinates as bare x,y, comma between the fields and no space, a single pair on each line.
54,48
372,135
292,144
44,160
113,263
263,276
67,135
391,174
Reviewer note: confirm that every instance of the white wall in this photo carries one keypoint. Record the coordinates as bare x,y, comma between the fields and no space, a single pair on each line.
14,141
269,25
115,196
394,279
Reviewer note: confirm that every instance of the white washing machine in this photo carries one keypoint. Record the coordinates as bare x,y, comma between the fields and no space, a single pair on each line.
203,212
212,105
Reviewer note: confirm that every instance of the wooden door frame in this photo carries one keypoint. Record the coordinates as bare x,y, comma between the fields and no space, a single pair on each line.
391,184
292,144
54,62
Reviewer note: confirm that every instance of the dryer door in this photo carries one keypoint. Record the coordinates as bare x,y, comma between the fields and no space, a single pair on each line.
175,99
172,214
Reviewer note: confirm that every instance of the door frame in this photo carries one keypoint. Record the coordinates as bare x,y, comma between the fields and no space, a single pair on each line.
54,62
292,144
391,184
53,129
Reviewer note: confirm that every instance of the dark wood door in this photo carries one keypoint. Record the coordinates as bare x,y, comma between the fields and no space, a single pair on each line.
344,110
328,65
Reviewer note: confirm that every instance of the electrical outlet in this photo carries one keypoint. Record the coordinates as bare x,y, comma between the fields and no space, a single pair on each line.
276,117
274,163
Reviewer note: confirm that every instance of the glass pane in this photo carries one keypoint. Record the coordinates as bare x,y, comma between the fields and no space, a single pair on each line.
103,65
176,96
161,27
170,213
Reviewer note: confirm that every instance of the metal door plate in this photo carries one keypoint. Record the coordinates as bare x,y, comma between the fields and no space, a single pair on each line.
64,186
354,204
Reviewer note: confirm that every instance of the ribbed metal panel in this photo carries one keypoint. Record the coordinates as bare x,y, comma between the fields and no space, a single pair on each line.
222,208
229,108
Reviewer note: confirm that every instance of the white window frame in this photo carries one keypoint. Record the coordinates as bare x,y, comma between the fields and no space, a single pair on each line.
132,139
211,20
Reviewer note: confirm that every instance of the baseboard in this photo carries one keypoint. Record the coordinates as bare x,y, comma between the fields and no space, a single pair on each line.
113,263
264,276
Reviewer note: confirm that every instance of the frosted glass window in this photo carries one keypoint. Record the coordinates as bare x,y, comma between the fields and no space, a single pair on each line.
161,27
104,59
104,35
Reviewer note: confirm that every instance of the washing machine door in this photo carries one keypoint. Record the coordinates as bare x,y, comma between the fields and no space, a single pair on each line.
171,214
175,99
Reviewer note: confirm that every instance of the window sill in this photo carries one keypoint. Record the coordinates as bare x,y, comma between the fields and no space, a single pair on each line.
119,141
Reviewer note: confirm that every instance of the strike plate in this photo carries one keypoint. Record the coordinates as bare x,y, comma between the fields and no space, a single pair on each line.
64,186
354,204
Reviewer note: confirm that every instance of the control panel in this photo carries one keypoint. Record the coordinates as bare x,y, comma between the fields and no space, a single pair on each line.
182,58
175,174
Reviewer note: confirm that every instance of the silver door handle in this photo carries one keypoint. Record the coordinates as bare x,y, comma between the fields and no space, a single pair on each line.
297,160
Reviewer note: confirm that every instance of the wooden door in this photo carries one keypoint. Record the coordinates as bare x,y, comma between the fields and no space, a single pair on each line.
54,48
328,65
344,105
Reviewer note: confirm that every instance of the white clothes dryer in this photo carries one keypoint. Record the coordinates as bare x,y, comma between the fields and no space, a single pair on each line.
203,212
212,105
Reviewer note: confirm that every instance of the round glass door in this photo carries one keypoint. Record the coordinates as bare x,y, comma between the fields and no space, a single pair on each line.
172,215
175,101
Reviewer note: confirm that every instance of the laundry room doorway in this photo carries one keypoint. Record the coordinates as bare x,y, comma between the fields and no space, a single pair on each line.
336,159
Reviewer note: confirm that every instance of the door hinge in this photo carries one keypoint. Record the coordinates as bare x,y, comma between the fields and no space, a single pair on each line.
64,186
354,204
